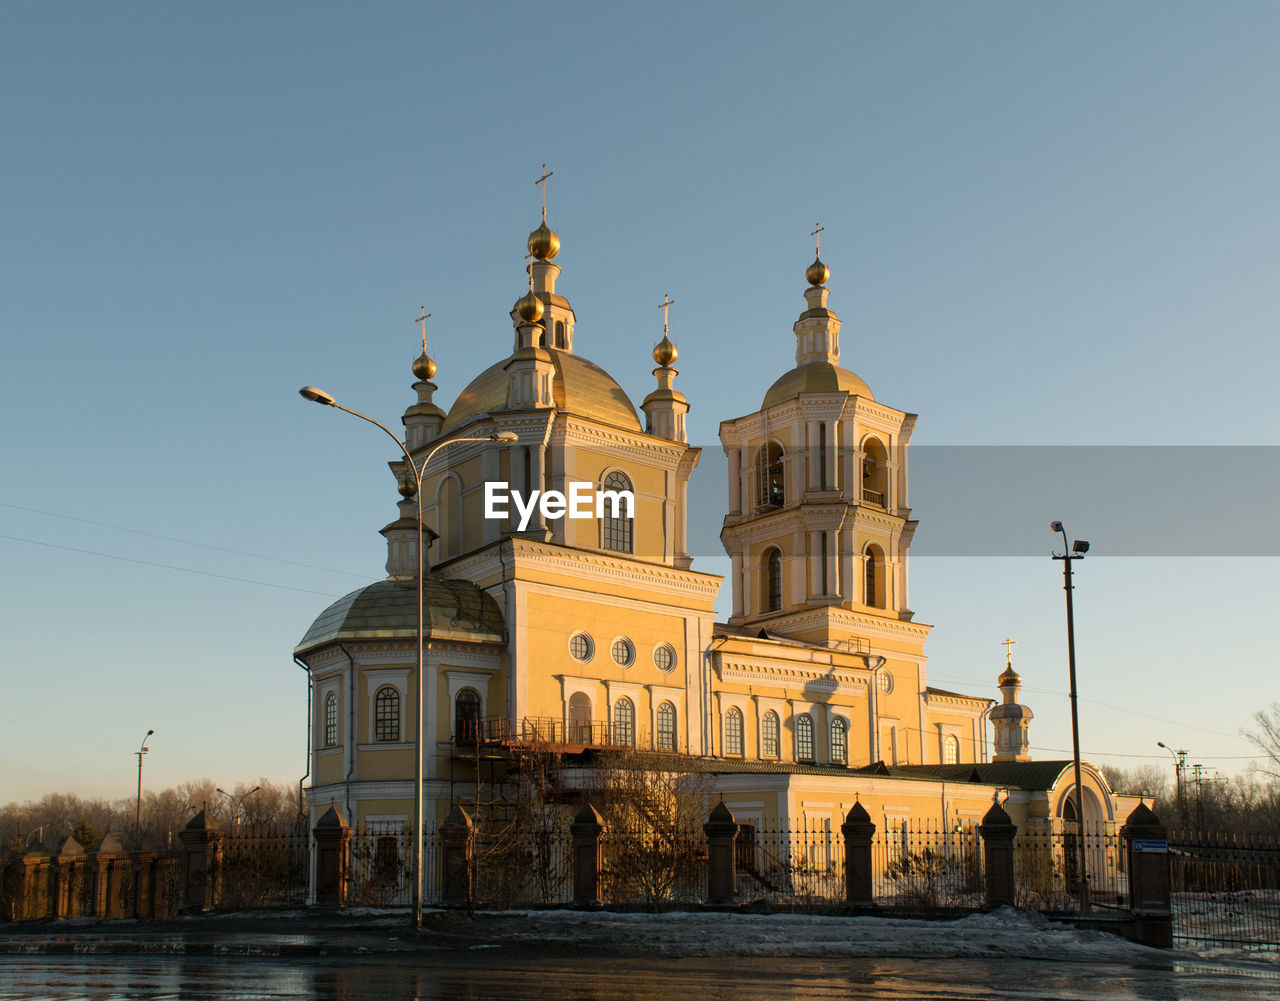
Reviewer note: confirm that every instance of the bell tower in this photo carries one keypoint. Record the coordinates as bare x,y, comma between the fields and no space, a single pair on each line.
819,526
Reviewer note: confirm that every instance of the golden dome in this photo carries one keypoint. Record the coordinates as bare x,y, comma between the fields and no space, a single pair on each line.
407,487
1009,677
815,377
666,352
543,242
424,368
579,387
817,273
529,306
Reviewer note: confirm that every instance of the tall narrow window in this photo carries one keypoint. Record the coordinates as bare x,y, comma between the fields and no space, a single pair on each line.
624,723
580,719
804,737
666,727
769,735
331,720
773,581
822,456
950,750
873,568
733,733
616,525
466,716
449,518
386,714
771,490
560,342
839,742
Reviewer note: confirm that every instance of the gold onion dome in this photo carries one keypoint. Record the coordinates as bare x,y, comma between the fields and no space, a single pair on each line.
1009,677
543,242
529,306
666,352
424,367
817,273
407,487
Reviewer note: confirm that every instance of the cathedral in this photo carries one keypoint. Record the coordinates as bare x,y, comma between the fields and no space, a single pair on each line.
574,634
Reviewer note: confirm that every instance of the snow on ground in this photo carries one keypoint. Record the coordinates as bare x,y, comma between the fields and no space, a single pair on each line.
1002,933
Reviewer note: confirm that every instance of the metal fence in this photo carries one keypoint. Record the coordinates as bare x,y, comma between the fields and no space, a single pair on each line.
929,867
265,867
1226,889
654,865
1047,868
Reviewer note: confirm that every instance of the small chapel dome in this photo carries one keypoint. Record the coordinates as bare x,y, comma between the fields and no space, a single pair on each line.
543,242
817,273
1009,677
815,377
666,352
424,367
529,307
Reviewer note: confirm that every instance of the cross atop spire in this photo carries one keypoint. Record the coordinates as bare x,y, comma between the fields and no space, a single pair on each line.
665,306
423,320
817,239
1008,643
529,268
543,182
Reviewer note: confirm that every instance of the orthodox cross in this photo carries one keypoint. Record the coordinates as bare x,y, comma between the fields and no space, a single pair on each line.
529,257
665,305
817,240
543,181
423,320
1008,643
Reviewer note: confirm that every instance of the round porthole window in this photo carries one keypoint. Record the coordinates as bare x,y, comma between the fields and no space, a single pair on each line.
623,652
664,657
884,681
580,647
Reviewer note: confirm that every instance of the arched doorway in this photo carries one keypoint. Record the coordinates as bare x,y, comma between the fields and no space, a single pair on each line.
579,719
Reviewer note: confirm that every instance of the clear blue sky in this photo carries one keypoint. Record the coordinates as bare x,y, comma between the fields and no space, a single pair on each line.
1046,224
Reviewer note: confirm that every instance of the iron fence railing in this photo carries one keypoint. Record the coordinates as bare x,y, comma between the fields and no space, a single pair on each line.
1047,869
1226,889
265,866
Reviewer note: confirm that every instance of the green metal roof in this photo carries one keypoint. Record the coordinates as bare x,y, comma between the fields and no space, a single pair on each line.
1023,774
452,609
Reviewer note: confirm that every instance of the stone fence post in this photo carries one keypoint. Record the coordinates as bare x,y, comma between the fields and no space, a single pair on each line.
107,864
858,831
458,840
202,845
333,859
997,831
68,874
34,880
722,863
586,829
1146,845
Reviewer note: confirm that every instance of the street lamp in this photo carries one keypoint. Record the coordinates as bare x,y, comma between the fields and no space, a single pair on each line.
238,800
320,396
1179,763
1074,551
137,830
875,662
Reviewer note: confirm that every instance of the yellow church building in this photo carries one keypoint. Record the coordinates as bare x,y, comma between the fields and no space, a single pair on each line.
577,633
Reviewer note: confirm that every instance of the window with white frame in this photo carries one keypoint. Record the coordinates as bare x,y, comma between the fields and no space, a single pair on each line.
624,722
386,714
769,735
839,741
804,737
331,720
733,732
666,727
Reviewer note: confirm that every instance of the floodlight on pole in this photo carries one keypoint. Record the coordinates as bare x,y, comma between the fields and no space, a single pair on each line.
137,829
504,437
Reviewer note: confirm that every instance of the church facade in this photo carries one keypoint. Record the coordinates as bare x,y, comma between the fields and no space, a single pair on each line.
569,635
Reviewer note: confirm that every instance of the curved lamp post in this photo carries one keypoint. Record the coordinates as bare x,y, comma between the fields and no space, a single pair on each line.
320,396
1179,763
238,801
137,830
1074,551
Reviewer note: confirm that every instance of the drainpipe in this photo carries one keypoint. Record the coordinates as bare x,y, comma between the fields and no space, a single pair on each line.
310,712
350,742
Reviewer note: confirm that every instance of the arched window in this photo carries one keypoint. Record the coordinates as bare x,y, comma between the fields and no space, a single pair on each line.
950,750
466,716
769,730
331,720
873,577
560,342
624,723
449,518
616,525
875,474
386,714
804,737
771,488
666,727
579,719
733,733
839,742
773,581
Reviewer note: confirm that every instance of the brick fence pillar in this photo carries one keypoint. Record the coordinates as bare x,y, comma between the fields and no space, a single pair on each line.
586,829
202,847
997,831
34,880
858,831
722,864
1146,847
105,871
68,872
458,841
333,859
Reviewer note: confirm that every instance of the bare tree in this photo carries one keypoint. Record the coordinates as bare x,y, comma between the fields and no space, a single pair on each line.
1267,738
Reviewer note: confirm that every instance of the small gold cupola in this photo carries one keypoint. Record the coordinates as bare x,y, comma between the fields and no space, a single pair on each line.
665,408
423,420
544,244
1010,720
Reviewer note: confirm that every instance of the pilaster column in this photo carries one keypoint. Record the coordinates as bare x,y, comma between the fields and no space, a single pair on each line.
735,481
833,562
811,452
815,564
738,583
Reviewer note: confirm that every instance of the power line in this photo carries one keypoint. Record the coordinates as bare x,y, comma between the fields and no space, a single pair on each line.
174,538
170,566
